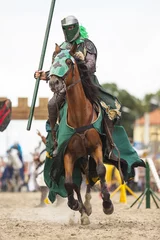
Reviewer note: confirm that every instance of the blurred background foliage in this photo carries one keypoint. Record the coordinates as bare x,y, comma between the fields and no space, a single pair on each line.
132,107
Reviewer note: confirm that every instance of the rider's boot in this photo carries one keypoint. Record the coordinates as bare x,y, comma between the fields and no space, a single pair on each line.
55,144
53,108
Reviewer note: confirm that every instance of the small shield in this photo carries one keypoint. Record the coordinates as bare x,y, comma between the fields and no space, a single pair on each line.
5,114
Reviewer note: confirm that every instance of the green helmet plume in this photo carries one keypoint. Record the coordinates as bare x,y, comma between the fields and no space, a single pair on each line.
83,32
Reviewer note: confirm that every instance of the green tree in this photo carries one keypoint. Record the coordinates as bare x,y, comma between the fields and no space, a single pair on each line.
132,107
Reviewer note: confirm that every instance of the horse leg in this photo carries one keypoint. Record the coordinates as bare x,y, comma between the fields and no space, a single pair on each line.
84,215
69,185
87,202
101,171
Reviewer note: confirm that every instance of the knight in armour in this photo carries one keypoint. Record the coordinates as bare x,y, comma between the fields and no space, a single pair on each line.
86,55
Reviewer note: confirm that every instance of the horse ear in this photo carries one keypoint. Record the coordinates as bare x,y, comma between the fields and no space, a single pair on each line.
73,49
57,48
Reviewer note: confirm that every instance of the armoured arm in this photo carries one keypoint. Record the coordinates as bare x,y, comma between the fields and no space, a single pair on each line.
89,55
90,62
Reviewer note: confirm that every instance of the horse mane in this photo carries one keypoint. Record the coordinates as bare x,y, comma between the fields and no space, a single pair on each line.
90,90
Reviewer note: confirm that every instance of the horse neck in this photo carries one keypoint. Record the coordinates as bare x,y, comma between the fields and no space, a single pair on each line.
80,109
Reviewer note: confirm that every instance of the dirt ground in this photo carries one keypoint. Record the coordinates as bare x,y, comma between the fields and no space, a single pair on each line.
20,219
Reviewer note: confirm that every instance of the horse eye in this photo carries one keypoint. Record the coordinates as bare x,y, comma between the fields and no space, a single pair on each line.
68,61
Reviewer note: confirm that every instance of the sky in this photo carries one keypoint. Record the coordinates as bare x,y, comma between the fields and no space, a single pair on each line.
125,32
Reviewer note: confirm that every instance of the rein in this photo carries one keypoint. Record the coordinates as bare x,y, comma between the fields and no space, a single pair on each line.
73,84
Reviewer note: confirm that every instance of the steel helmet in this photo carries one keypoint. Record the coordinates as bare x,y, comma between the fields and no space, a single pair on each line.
70,26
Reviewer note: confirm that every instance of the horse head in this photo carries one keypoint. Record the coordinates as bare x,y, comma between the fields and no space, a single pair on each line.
63,71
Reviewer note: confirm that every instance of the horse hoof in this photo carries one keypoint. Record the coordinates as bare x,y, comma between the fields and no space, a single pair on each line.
109,210
41,205
85,219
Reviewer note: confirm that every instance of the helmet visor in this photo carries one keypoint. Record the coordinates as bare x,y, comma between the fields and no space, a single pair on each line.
71,32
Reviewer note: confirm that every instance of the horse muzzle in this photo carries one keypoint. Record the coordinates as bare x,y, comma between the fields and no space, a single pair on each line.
55,85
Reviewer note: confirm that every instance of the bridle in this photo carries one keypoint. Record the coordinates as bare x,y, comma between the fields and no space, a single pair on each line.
64,79
74,83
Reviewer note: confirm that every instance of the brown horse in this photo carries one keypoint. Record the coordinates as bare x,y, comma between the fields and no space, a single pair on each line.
80,115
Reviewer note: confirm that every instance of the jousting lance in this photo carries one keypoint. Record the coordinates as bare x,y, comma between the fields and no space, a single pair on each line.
41,63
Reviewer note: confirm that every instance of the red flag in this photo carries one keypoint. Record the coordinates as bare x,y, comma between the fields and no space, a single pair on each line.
5,114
